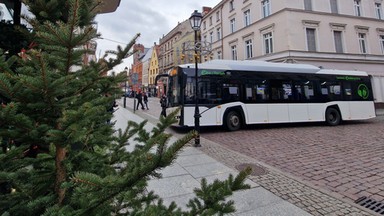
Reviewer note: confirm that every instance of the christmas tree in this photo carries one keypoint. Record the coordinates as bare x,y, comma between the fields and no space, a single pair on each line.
60,156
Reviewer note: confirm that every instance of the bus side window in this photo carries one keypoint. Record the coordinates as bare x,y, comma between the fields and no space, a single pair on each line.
275,90
324,91
347,91
297,94
287,91
309,92
256,91
281,90
231,92
334,91
225,95
262,93
249,93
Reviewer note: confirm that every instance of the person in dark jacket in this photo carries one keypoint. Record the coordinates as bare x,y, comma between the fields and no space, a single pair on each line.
163,103
145,98
111,107
139,98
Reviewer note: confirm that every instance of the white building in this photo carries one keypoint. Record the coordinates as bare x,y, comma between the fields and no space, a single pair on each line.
146,60
337,34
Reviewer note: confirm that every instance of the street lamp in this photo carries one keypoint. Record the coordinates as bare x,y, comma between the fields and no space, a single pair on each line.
125,87
195,21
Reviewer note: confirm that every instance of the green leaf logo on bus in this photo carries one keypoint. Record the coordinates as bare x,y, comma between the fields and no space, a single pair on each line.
363,91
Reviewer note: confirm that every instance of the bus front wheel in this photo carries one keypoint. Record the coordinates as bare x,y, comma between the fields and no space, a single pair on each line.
233,121
332,116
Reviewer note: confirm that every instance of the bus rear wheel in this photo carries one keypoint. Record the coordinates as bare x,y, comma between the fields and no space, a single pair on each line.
332,116
233,121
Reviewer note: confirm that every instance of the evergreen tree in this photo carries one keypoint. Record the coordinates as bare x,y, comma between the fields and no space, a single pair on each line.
60,156
13,38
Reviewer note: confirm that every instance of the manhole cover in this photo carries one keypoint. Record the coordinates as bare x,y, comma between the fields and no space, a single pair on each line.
256,169
371,204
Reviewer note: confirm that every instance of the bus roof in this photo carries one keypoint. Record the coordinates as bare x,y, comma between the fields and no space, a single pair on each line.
254,65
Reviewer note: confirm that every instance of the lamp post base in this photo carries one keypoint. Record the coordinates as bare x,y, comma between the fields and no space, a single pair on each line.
197,127
197,141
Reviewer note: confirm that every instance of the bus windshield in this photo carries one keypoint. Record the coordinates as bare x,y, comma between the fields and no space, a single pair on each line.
213,87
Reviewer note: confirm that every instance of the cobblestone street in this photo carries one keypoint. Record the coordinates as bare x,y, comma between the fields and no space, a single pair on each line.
346,160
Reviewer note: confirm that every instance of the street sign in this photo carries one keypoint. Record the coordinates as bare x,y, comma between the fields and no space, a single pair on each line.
135,78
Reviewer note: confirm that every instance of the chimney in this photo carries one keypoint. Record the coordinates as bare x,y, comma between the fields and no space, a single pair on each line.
206,10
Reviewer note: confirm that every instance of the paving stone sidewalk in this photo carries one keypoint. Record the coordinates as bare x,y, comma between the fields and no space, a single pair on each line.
180,179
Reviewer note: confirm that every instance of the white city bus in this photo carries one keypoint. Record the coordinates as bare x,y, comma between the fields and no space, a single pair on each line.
237,93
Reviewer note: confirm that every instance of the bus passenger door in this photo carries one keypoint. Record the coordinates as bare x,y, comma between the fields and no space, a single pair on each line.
256,98
301,94
278,111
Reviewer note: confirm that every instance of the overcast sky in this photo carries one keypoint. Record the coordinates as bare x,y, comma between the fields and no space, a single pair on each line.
151,18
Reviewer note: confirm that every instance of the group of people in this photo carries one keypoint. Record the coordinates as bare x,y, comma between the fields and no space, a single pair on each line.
144,97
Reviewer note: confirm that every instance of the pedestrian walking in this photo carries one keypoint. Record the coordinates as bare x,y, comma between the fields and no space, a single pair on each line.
111,107
163,103
145,98
139,98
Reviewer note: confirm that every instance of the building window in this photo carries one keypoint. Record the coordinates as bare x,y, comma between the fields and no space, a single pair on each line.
266,5
382,43
357,7
268,43
211,37
217,16
219,55
231,6
234,52
232,23
311,39
378,11
218,31
204,25
308,5
337,35
205,38
210,21
248,49
334,7
247,17
362,43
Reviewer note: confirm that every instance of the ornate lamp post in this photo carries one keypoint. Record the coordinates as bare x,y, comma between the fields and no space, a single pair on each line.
125,87
195,21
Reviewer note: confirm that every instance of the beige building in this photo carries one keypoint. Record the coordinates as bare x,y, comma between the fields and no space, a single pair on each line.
336,34
182,56
169,55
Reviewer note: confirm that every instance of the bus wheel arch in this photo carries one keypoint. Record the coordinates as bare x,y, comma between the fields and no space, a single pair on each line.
333,115
233,119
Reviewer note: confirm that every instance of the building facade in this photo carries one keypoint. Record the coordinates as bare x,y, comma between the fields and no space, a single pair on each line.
153,70
335,34
137,67
168,56
146,60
